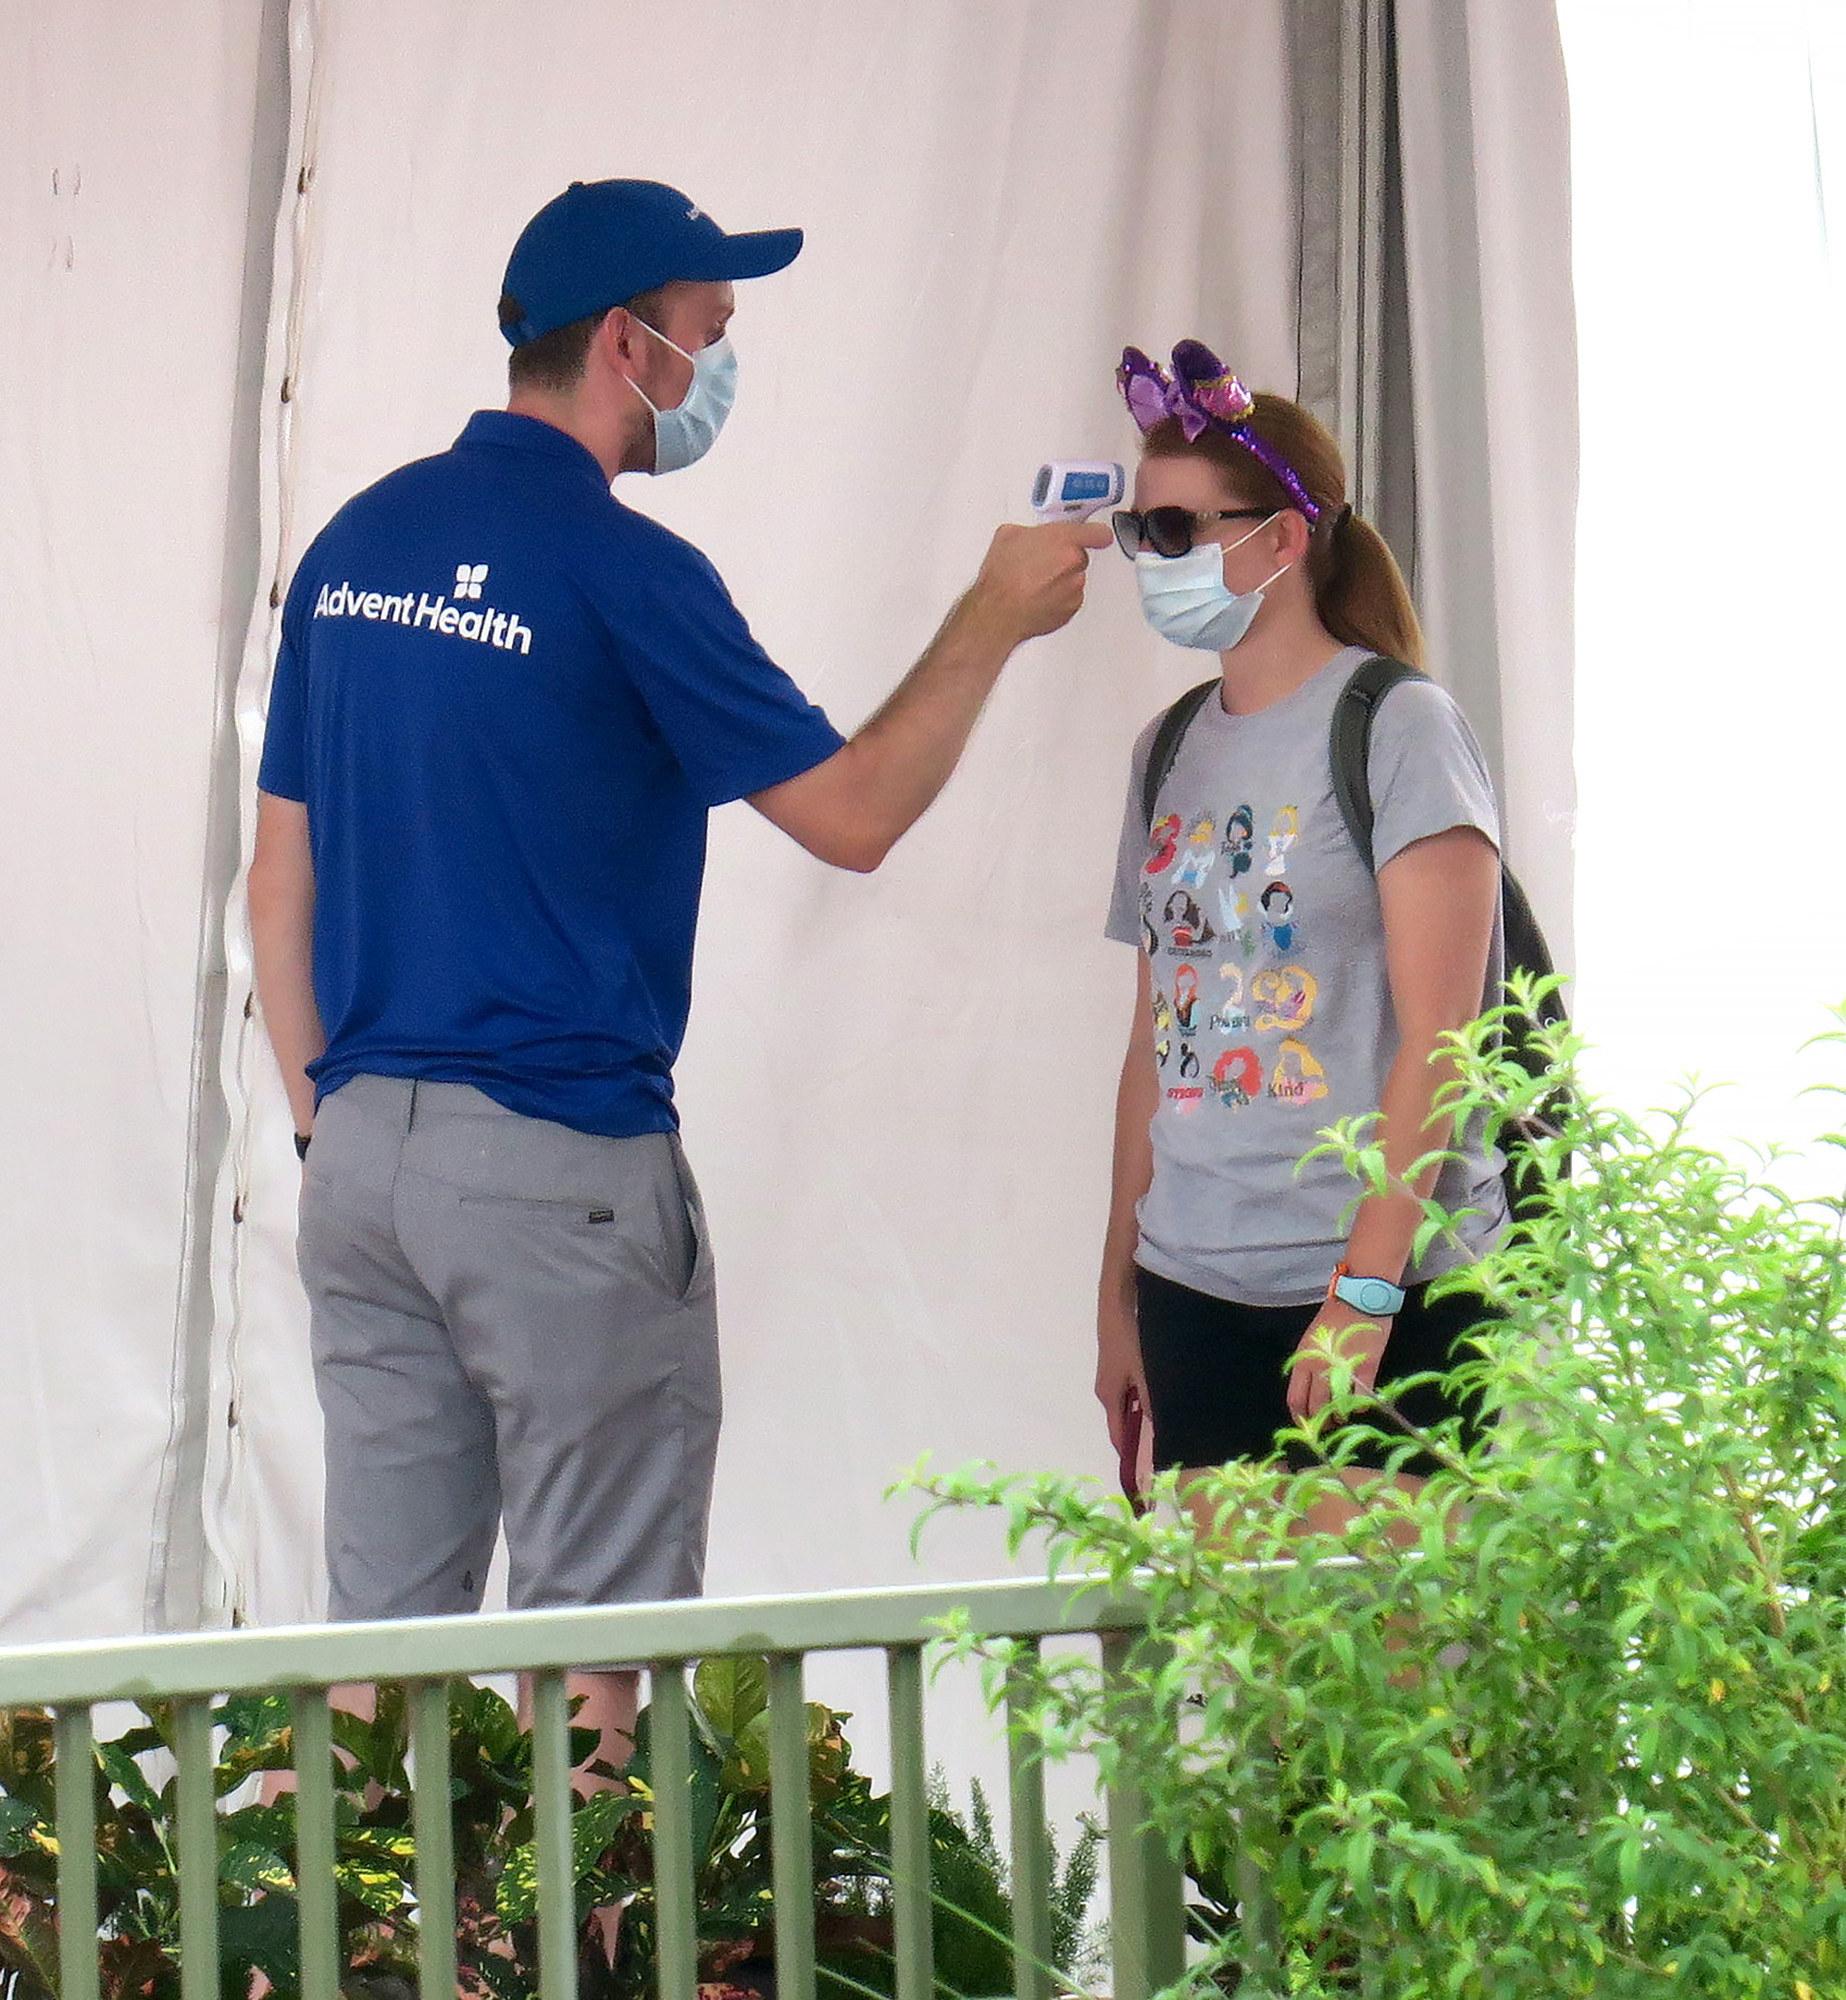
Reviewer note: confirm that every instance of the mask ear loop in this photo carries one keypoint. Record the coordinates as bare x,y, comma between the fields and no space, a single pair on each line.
1254,532
677,349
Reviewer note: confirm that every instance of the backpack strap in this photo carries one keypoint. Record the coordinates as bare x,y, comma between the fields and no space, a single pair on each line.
1167,739
1349,744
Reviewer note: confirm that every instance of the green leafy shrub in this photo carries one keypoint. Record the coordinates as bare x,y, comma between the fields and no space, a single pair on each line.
1571,1720
974,1901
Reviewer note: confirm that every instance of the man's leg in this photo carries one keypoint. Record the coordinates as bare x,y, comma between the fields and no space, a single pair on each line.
412,1502
574,1276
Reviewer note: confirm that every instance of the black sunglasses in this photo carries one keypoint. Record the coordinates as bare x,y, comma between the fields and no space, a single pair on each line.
1169,531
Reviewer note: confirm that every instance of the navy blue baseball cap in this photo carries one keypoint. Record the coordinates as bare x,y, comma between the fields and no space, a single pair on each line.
601,243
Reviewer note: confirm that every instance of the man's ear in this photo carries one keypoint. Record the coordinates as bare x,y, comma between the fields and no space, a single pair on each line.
618,340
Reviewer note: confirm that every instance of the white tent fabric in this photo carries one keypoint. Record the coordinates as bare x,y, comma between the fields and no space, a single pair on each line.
1485,136
897,1091
1437,339
129,139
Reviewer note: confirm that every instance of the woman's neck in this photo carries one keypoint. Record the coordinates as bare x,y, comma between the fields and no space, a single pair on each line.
1283,650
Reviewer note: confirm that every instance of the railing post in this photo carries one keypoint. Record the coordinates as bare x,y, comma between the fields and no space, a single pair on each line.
1262,1938
79,1973
551,1804
420,1655
1030,1845
1147,1886
315,1849
670,1755
432,1818
910,1864
198,1849
791,1829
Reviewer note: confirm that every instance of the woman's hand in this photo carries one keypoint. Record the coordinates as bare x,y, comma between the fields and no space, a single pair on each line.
1118,1361
1338,1329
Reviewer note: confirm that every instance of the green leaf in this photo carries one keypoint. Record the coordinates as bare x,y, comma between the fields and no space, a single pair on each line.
595,1824
249,1865
16,1820
123,1772
746,1768
380,1889
264,1937
732,1693
481,1718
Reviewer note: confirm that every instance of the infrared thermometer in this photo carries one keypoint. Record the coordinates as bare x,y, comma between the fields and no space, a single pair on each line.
1074,489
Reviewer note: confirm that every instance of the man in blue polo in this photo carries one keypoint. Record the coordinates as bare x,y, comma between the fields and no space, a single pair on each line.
503,707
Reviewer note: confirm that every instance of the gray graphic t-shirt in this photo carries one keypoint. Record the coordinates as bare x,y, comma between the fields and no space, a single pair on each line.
1272,1008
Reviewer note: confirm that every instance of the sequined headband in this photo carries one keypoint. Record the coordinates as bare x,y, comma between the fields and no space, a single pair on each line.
1202,393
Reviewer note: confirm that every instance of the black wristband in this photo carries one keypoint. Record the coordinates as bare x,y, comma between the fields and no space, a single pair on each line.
302,1142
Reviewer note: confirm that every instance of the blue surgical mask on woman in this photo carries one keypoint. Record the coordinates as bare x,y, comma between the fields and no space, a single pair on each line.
684,435
1185,598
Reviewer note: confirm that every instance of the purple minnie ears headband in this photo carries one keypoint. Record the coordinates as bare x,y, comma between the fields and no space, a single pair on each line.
1203,394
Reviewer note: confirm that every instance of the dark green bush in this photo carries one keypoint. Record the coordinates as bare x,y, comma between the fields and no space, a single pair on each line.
496,1874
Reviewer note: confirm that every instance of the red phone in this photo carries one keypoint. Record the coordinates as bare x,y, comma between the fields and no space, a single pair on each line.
1134,1419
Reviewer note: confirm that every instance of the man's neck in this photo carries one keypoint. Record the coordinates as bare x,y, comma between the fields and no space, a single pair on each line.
618,441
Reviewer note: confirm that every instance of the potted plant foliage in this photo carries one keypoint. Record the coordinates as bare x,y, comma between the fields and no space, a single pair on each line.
495,1862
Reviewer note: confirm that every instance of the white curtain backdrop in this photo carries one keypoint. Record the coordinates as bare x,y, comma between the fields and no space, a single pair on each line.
255,264
129,142
1484,133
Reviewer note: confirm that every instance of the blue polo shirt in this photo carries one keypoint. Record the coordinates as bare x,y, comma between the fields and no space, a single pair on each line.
509,702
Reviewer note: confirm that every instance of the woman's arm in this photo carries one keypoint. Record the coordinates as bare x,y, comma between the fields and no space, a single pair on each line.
1437,897
1137,1096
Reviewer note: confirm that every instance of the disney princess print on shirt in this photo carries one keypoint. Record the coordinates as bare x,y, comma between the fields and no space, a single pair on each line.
1234,917
1163,844
1297,1077
1212,1017
1282,836
1237,1077
1189,931
1230,1017
1186,999
1286,996
1200,855
1280,927
1239,838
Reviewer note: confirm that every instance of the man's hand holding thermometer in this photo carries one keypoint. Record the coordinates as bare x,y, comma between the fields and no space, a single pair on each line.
1074,489
1033,577
853,807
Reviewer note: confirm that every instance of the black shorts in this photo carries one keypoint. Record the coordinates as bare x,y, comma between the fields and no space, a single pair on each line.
1216,1384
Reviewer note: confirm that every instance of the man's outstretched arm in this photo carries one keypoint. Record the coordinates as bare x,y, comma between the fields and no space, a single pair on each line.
282,936
853,809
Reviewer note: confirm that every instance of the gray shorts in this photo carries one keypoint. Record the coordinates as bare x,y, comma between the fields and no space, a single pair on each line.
510,1321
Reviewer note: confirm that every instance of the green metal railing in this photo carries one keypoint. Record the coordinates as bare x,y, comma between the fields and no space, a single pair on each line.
192,1670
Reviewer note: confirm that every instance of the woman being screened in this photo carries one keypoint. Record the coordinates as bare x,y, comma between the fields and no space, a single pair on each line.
1324,988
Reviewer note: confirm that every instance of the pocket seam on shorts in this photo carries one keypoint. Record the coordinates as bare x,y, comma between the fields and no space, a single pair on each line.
585,1210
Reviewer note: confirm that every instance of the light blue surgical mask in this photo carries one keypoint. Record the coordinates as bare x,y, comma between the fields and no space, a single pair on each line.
683,435
1185,598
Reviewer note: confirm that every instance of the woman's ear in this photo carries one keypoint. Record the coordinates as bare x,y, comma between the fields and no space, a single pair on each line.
1295,535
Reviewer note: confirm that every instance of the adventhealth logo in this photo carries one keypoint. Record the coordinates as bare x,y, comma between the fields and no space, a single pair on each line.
436,614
